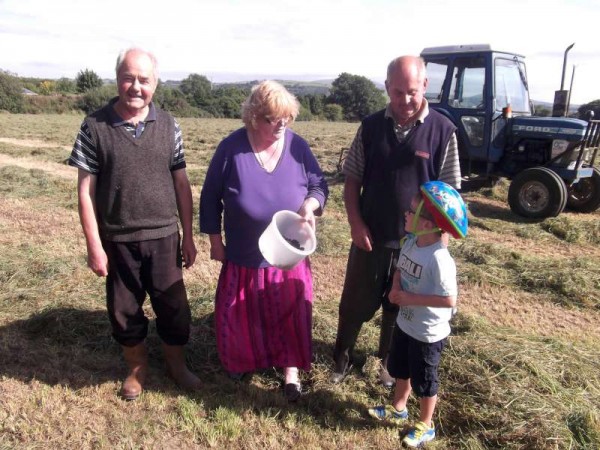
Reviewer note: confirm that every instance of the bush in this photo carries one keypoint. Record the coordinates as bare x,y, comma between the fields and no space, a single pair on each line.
304,115
358,95
11,98
333,112
66,86
87,80
96,98
54,104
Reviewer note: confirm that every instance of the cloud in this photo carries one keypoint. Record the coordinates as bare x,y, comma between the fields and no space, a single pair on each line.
58,38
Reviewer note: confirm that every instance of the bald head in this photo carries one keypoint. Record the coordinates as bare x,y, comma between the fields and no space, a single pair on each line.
407,65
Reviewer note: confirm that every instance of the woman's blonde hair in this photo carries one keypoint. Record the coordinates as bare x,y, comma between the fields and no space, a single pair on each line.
271,100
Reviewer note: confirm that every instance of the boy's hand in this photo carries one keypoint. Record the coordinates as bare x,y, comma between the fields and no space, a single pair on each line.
395,288
392,297
399,297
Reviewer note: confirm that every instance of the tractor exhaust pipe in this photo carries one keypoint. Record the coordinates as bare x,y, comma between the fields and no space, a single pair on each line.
562,81
561,98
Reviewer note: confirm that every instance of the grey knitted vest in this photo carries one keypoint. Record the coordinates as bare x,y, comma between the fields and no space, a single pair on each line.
135,196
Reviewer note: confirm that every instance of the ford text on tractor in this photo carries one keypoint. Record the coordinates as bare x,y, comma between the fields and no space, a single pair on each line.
549,160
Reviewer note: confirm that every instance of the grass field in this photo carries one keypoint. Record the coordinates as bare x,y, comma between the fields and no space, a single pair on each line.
521,370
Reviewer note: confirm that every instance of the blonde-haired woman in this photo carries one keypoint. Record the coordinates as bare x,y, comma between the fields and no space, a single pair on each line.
263,315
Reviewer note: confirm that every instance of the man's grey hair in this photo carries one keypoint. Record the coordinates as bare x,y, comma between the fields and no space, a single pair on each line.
123,54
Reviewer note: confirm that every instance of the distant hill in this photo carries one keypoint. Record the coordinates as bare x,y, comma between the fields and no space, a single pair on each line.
295,87
548,105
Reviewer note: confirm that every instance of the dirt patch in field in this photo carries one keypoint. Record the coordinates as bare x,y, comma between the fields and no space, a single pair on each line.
32,143
25,223
328,276
551,248
56,169
506,224
528,313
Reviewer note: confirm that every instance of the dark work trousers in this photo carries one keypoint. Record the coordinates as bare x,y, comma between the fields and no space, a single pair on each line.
368,280
151,267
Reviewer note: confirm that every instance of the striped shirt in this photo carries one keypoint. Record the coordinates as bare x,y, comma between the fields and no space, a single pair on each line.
354,164
84,156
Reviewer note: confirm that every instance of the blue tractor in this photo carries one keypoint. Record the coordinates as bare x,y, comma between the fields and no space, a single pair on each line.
549,160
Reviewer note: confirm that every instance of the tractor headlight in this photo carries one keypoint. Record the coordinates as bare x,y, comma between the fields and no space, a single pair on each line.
559,146
569,159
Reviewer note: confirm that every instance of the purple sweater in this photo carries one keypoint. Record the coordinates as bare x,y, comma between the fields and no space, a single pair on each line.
246,196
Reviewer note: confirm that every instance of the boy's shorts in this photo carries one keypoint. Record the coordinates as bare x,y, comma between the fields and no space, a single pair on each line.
419,361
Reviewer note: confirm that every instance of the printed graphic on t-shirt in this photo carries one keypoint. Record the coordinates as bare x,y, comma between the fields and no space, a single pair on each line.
406,313
410,267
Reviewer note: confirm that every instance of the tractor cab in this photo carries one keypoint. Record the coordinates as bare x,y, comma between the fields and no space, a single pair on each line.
485,93
473,85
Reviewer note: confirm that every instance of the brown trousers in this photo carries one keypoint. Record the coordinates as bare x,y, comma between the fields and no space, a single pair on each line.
151,267
368,280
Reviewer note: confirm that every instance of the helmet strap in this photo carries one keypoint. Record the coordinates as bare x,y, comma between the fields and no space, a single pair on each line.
415,221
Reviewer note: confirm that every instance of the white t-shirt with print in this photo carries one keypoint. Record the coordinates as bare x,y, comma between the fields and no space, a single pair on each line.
430,271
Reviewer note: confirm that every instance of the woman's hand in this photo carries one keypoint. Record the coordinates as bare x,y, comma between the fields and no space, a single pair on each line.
307,211
217,248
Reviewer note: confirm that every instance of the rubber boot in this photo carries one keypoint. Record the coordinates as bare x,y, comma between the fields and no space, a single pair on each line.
177,368
347,333
388,321
386,331
136,358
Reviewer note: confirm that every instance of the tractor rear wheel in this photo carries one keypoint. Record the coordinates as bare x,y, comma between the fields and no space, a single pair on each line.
584,196
537,192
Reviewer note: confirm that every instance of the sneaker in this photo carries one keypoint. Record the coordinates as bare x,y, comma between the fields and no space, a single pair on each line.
419,435
388,413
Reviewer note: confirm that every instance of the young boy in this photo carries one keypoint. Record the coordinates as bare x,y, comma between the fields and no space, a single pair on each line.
425,288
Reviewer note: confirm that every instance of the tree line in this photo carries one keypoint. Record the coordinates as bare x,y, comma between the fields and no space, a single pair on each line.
350,98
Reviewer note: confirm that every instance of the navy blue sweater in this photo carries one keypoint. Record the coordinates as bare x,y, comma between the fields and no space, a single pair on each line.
394,171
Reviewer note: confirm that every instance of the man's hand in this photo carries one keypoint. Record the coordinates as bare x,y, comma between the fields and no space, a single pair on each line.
98,262
361,235
188,252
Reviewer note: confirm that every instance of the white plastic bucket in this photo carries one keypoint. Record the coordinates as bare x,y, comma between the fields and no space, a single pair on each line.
277,250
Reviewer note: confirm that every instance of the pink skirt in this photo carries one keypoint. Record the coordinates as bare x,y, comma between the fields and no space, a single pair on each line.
263,317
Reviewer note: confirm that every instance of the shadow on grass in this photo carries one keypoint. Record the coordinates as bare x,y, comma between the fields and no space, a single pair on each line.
484,210
73,348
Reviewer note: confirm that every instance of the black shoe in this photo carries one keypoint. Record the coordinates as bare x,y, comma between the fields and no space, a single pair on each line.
292,391
236,376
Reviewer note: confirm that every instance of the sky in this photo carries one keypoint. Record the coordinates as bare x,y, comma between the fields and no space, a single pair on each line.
237,40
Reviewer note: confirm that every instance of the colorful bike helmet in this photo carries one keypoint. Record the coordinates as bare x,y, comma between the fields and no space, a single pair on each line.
446,207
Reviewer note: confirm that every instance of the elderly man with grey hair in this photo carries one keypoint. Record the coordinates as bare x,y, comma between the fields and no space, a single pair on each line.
133,193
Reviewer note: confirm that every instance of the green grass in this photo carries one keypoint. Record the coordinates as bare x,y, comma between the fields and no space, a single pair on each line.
36,184
507,380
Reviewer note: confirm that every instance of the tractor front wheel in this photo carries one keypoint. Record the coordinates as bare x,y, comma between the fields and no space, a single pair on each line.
584,196
537,192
